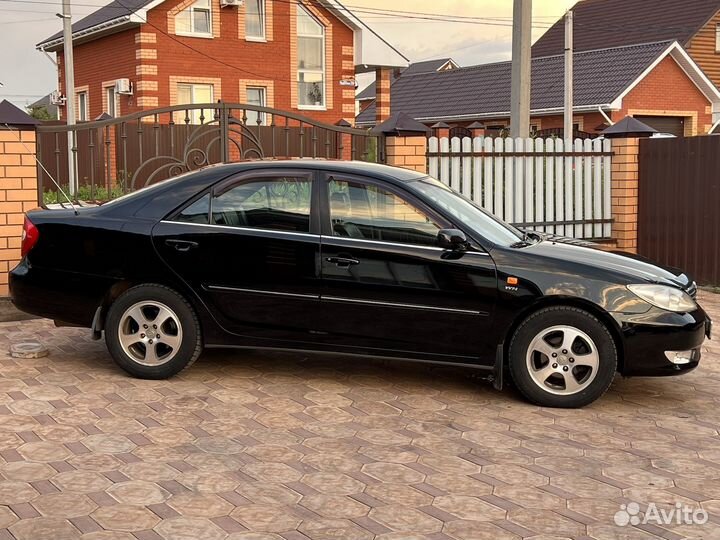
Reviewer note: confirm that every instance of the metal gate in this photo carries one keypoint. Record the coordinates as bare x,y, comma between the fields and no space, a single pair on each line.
679,204
119,155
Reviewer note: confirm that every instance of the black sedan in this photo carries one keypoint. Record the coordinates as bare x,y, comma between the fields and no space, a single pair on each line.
352,258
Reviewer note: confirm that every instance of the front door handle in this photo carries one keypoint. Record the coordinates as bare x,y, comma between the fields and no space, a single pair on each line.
182,245
342,262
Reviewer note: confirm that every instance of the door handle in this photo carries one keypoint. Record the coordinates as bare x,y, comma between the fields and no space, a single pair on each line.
182,245
342,262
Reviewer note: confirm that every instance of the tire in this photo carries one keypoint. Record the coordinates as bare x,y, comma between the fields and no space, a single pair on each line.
584,364
147,352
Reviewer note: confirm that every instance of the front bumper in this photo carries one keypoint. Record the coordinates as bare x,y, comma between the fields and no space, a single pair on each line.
647,336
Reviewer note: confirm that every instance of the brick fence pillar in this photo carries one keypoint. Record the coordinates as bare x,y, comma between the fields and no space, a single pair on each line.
383,81
625,136
624,193
18,194
407,151
405,142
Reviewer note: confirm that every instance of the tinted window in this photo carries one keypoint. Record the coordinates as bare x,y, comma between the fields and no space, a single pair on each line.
266,203
369,212
196,212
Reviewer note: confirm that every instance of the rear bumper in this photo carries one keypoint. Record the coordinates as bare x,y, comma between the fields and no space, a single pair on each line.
68,297
647,337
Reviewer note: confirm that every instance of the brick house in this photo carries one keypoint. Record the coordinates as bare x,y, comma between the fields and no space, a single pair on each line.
134,55
645,81
600,24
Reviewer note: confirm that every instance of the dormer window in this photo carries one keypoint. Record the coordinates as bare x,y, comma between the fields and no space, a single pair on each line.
195,20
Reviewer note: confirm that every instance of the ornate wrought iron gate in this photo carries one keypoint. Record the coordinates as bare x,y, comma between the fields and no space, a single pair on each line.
117,155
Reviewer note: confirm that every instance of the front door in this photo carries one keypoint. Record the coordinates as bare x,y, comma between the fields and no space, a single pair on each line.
248,248
388,287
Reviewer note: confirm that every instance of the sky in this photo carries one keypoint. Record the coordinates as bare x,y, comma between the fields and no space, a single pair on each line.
26,74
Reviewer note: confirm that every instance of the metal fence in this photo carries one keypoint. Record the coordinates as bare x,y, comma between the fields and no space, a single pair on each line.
679,204
550,185
118,155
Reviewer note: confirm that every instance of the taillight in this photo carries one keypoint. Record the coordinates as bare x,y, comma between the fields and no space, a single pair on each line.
30,236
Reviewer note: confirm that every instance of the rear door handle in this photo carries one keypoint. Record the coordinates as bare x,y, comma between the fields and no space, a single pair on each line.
181,245
342,262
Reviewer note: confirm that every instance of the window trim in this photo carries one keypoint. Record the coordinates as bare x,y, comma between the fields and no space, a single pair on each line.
324,105
193,33
263,24
116,100
407,196
717,37
263,101
83,109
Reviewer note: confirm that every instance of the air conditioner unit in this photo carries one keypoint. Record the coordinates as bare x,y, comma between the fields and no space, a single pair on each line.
123,86
56,98
231,3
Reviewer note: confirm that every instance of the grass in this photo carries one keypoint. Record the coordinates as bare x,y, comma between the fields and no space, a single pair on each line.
84,193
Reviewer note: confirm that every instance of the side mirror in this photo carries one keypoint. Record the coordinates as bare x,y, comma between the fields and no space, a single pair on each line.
452,239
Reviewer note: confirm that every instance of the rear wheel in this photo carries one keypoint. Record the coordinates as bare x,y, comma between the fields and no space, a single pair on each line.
152,332
562,357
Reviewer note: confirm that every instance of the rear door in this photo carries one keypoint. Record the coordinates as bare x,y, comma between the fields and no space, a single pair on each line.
250,249
388,287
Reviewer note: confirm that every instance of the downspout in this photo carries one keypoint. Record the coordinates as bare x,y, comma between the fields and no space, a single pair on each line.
605,116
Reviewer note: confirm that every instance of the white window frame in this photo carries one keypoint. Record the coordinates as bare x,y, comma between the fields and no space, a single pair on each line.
717,38
263,103
263,23
323,106
83,113
194,112
113,104
193,32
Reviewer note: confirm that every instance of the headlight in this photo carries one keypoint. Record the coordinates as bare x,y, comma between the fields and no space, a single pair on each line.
665,297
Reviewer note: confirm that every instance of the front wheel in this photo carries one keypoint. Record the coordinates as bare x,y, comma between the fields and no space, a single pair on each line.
152,332
562,357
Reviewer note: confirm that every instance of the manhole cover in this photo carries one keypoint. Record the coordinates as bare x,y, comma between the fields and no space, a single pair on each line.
28,349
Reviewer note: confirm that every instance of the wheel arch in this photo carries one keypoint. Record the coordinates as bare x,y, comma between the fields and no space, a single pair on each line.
570,301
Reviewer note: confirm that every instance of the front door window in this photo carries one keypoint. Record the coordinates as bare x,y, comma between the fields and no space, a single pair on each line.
369,212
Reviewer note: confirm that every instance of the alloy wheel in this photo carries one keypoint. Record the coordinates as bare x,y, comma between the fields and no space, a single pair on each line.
150,333
562,360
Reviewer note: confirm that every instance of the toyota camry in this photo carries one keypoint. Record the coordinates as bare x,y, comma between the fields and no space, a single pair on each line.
352,258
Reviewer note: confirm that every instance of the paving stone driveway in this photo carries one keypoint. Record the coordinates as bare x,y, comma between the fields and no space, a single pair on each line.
260,446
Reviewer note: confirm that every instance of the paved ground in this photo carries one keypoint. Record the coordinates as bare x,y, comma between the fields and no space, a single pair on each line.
279,446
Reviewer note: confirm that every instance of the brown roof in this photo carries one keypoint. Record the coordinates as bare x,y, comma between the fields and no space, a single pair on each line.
614,23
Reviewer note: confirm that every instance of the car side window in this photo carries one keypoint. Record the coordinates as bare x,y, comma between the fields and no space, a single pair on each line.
196,212
369,212
276,203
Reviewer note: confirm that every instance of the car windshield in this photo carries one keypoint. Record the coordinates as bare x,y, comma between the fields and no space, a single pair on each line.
481,221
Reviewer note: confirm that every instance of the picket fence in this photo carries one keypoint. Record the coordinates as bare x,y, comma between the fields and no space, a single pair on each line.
549,185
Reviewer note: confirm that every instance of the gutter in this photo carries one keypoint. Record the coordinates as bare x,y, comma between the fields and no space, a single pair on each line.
605,116
55,43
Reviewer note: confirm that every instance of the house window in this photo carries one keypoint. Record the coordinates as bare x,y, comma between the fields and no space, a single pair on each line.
717,38
189,94
255,19
311,61
195,20
255,96
82,105
113,107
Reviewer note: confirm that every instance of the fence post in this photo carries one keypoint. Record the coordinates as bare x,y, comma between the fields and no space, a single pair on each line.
18,183
624,192
405,142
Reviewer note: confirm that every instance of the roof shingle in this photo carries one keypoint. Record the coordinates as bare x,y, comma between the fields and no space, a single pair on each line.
614,23
599,77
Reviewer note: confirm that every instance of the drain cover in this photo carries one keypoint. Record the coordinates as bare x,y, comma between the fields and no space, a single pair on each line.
28,349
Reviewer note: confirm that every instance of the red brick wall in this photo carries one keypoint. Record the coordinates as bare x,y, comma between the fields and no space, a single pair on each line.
100,61
114,57
667,90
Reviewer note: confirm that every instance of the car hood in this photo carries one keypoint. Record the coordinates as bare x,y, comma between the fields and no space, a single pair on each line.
634,267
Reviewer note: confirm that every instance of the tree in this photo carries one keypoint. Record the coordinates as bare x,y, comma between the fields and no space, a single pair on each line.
40,113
